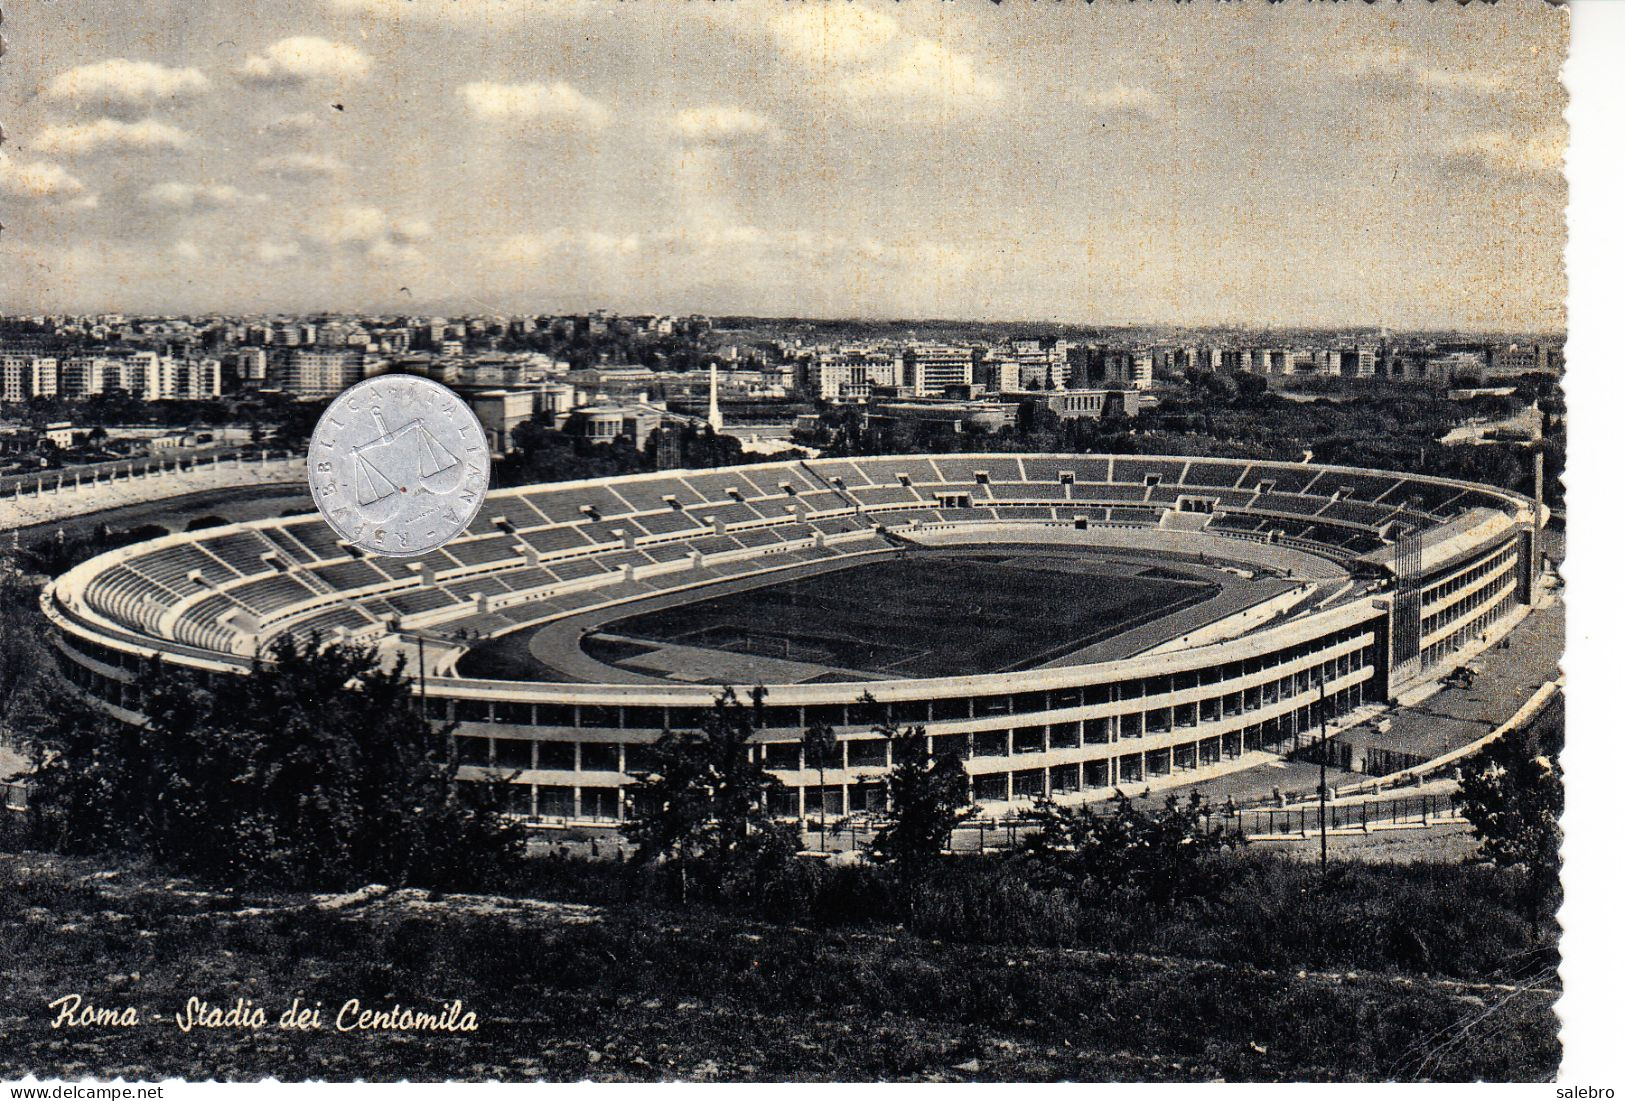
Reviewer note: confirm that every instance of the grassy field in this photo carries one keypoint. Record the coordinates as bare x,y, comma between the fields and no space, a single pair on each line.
925,616
630,991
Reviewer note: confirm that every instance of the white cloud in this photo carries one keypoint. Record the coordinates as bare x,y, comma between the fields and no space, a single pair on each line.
1496,152
1461,80
306,58
824,35
927,70
276,252
86,137
303,166
293,123
866,54
121,81
721,123
178,195
1397,72
1122,99
368,231
38,180
612,244
559,101
564,244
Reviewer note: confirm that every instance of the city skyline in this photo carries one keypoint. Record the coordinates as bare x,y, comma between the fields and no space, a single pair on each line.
1217,165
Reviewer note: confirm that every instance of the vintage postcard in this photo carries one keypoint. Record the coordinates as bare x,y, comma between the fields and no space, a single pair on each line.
833,540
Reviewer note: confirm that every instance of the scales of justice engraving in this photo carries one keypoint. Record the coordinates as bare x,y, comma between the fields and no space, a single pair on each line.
401,464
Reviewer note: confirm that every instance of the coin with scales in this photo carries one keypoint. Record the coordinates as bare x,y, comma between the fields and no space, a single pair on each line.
399,464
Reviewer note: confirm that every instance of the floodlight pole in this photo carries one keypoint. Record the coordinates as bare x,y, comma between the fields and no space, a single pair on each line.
1322,777
423,685
823,795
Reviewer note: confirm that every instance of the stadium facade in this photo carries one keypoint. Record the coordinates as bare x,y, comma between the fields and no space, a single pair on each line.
1379,581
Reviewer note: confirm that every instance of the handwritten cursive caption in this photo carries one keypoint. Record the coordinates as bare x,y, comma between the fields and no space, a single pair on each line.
75,1011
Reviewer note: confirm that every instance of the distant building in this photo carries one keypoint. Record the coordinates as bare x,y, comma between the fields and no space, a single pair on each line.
554,400
320,371
1129,369
928,369
956,415
24,376
605,423
1452,365
999,375
189,378
1520,359
80,376
1085,404
849,376
499,413
252,366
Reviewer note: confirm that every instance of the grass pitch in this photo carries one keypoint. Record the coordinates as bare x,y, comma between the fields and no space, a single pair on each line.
927,616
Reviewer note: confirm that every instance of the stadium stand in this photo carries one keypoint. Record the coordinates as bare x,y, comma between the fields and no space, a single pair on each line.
532,555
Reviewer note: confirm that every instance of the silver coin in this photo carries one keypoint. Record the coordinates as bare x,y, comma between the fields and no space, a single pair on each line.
398,465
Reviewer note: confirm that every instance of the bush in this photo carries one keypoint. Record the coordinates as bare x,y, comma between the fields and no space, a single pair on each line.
316,771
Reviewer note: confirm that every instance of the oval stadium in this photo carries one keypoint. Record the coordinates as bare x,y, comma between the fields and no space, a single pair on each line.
1067,624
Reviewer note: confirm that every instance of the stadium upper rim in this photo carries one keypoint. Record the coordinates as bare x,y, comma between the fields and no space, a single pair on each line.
211,598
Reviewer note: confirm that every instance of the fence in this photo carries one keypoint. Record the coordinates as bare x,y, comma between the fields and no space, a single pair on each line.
1337,754
1420,810
1386,762
1009,834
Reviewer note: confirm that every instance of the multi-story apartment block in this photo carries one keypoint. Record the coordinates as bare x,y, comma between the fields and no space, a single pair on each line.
24,376
1000,375
928,369
849,376
80,376
252,366
192,378
320,370
1129,369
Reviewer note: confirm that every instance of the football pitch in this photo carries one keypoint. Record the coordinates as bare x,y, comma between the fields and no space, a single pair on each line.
927,616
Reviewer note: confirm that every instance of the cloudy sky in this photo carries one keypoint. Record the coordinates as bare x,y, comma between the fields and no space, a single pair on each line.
1210,163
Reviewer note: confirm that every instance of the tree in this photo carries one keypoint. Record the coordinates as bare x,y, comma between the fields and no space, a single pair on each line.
926,798
1512,793
703,804
317,770
29,683
1148,853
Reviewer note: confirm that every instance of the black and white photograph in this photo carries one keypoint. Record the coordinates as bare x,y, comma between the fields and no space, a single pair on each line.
818,541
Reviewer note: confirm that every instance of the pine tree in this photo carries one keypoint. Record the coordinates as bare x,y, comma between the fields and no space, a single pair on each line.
314,770
702,804
926,798
1512,793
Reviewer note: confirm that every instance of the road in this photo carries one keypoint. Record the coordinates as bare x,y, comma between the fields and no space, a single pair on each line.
1450,718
